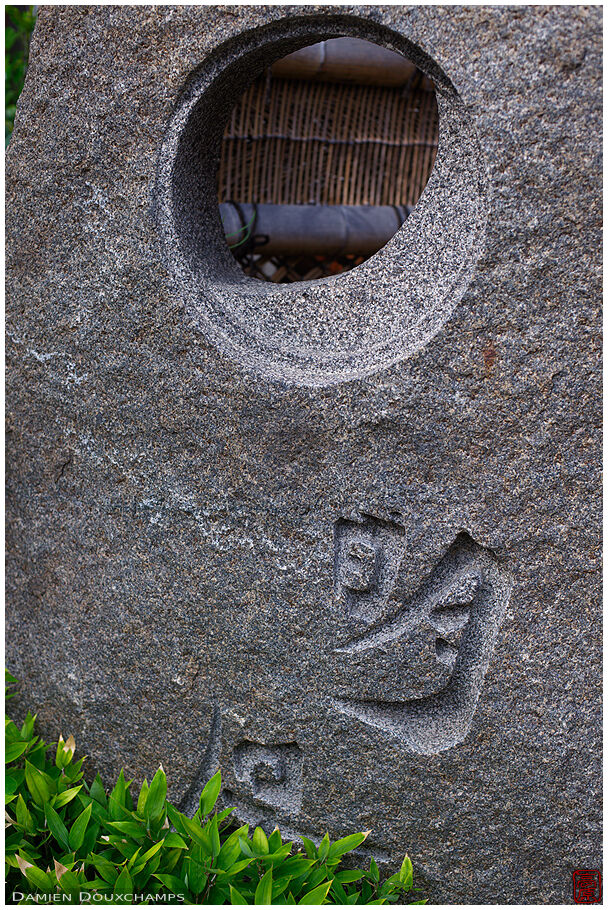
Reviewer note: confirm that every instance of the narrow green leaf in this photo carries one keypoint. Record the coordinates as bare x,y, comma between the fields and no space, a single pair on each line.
296,865
393,880
27,729
118,797
157,794
197,834
24,816
236,897
224,814
317,895
141,799
197,878
11,782
263,892
10,730
57,827
70,884
97,792
348,877
177,820
338,892
215,836
231,850
344,845
172,882
153,850
105,868
132,829
133,859
234,869
78,829
228,856
274,841
324,847
170,860
246,849
280,885
65,752
14,750
62,799
123,885
37,784
210,794
406,873
317,876
174,840
40,879
59,756
311,850
260,842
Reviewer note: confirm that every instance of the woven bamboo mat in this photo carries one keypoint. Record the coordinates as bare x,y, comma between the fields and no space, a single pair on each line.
297,142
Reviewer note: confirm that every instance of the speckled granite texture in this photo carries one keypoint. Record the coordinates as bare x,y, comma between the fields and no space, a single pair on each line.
341,538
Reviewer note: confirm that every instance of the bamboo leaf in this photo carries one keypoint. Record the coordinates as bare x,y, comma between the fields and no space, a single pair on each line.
172,882
62,799
78,829
263,892
123,885
157,794
24,816
324,847
260,842
38,878
236,897
57,827
38,784
14,750
406,873
173,840
210,794
345,845
97,792
69,884
141,799
317,895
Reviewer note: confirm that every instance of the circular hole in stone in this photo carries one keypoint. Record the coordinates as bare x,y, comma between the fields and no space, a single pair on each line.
337,327
324,157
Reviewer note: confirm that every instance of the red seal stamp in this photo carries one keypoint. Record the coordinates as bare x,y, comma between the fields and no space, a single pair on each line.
587,886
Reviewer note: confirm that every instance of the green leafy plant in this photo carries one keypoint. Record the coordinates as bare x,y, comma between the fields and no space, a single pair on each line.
19,23
66,837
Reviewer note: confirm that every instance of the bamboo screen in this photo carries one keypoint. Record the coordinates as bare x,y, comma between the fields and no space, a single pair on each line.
297,142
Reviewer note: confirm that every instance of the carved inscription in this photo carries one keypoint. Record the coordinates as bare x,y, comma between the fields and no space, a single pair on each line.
209,764
271,774
463,602
368,553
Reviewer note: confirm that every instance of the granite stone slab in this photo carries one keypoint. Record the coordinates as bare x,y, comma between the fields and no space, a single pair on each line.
342,538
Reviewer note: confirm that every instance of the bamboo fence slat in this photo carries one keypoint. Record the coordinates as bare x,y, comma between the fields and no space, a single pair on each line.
293,142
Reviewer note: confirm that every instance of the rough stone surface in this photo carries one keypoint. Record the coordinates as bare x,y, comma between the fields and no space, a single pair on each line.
342,538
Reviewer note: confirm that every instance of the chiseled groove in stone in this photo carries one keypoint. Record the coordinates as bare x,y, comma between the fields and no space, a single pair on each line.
333,329
207,768
438,722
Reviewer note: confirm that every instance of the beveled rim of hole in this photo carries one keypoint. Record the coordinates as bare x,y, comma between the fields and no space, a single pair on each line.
277,330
